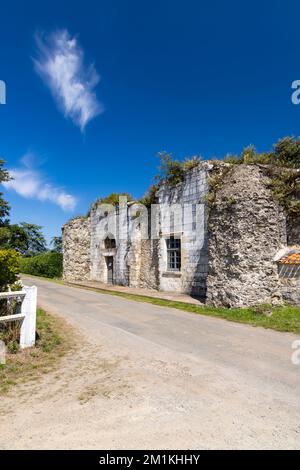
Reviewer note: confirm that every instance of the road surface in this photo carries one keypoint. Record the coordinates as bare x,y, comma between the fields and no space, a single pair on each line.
145,376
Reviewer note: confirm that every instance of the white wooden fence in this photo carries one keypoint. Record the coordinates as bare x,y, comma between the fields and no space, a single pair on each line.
26,313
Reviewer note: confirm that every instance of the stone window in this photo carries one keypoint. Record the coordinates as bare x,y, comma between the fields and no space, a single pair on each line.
109,243
174,253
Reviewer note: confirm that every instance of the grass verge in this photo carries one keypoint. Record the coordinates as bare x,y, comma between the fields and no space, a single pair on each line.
53,342
284,318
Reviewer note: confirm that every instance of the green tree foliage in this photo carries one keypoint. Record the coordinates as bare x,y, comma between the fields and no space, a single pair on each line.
150,196
282,165
170,170
14,237
47,264
112,199
9,268
285,184
36,242
56,243
25,238
4,206
287,152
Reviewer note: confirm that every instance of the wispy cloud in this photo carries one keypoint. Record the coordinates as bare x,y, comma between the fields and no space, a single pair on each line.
30,183
60,63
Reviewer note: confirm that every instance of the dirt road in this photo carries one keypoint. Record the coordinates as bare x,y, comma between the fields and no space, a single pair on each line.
153,377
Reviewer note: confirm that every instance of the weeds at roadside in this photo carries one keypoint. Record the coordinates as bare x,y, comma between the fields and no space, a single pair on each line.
54,340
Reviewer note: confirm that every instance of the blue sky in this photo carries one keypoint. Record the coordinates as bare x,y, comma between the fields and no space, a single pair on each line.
189,77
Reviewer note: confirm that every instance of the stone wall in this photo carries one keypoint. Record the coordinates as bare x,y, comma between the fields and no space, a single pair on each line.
228,247
142,254
149,273
76,237
246,229
290,289
189,224
135,258
112,223
293,230
289,277
142,262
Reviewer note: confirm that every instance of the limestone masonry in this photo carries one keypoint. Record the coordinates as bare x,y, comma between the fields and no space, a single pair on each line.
240,250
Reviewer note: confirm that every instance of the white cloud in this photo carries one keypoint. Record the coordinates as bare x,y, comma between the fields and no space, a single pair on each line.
30,184
31,160
60,64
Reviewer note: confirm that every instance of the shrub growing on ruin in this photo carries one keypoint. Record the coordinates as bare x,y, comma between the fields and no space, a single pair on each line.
170,170
191,163
287,152
150,196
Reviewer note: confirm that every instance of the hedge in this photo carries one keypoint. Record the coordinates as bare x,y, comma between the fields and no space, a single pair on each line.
9,268
46,264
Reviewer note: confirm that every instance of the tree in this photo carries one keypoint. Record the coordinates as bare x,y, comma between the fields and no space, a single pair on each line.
56,242
36,242
4,206
14,237
25,238
9,268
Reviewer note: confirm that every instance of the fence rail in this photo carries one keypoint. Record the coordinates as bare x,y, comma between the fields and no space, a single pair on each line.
26,314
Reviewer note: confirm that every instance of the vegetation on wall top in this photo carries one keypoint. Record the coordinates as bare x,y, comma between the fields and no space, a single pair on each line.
285,153
282,166
278,163
112,199
150,196
285,185
172,171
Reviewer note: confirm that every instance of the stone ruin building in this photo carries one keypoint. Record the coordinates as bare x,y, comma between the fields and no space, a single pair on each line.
219,235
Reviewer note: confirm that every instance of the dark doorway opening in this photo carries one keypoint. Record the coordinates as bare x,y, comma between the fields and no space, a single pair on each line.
110,269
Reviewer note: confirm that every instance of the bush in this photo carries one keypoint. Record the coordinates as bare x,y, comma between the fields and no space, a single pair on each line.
9,268
170,171
287,152
191,163
149,197
46,264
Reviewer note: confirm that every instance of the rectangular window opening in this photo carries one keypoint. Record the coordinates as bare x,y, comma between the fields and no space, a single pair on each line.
174,253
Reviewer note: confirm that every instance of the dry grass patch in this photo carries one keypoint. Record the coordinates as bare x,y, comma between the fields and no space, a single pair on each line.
54,339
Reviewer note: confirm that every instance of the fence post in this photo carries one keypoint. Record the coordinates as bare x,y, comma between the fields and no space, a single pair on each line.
2,352
28,308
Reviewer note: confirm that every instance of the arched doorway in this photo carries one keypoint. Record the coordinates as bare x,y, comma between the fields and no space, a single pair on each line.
110,247
109,243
